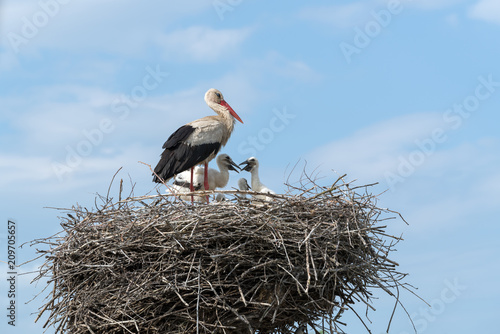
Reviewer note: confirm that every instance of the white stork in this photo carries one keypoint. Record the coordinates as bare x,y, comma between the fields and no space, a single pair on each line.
197,142
216,178
183,180
252,166
180,188
243,186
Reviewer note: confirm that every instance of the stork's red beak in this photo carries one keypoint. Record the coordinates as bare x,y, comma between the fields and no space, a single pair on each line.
231,111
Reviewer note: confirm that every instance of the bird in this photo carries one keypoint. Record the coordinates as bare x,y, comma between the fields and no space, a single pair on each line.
220,198
301,329
182,185
197,142
183,180
179,189
243,186
252,166
216,178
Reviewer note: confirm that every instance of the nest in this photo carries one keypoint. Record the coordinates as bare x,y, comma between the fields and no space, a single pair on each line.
156,264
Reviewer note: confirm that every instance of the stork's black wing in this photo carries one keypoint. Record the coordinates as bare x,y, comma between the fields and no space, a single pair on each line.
179,156
181,134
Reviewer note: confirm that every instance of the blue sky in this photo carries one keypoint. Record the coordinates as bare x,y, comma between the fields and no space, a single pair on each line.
403,93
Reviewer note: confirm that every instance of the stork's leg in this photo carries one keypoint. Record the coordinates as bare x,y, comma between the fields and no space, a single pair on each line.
205,181
191,186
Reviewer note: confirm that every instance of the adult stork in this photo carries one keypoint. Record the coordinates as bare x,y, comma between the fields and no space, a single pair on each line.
197,142
252,166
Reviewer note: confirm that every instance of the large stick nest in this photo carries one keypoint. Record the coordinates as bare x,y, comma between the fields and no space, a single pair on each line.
160,265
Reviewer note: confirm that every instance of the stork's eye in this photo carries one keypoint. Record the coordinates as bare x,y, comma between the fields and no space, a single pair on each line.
218,94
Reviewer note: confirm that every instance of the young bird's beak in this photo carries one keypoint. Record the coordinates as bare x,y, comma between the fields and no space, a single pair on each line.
232,165
248,167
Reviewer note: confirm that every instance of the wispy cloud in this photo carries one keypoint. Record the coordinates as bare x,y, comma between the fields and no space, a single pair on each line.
8,61
35,174
372,151
339,16
66,25
202,44
459,182
432,4
441,188
342,16
25,169
290,68
486,10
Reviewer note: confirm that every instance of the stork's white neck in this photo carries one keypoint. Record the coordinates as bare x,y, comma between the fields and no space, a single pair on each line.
222,176
255,178
224,115
224,170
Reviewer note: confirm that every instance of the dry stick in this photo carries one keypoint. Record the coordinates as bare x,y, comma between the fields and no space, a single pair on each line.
307,266
159,178
404,308
394,309
198,299
120,192
111,183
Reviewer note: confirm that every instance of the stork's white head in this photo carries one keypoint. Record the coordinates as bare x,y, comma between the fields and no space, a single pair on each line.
251,163
214,98
225,160
243,184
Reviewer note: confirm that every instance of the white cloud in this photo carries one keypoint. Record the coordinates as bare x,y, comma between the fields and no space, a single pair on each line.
432,4
56,114
340,16
124,27
452,19
8,60
369,153
487,10
26,169
38,174
357,13
293,69
452,182
456,184
202,44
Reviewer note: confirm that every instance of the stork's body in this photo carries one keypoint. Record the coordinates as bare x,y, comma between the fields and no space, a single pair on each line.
197,142
252,166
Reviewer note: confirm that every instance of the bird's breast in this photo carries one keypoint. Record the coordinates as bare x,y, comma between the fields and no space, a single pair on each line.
208,130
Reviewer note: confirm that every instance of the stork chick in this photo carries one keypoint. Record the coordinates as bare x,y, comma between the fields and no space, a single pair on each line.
216,178
243,186
252,166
